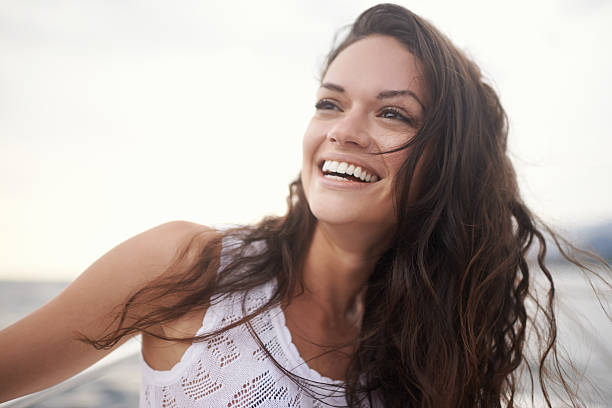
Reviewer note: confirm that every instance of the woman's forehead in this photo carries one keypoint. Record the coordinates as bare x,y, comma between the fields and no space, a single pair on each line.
376,63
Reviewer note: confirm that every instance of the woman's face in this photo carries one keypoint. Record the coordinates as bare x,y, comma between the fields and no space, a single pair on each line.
371,100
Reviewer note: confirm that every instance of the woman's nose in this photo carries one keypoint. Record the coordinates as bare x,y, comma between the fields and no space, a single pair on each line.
350,129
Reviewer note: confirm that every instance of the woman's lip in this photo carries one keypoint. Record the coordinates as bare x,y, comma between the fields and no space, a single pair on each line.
342,184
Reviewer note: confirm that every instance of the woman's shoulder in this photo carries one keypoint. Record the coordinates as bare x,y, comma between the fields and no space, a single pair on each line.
173,235
88,308
152,251
167,249
158,256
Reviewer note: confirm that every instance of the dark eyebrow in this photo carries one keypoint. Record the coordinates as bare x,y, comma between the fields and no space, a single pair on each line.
381,95
332,87
394,93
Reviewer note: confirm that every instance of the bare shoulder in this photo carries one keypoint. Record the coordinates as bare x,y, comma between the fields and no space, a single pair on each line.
168,249
147,255
151,251
32,361
179,244
171,235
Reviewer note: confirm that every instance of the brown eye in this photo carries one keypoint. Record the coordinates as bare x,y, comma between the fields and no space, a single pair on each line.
326,104
393,113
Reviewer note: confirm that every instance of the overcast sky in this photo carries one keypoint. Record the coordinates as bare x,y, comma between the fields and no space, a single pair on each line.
116,116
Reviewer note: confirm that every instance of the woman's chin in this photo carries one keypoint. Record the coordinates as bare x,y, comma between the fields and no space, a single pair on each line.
333,215
348,217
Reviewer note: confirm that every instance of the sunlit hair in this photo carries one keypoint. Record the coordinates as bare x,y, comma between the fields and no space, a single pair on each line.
446,316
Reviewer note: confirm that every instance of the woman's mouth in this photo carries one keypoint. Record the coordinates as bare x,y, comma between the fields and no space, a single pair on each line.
347,172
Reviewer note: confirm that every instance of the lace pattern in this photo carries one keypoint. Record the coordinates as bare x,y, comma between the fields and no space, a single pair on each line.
232,370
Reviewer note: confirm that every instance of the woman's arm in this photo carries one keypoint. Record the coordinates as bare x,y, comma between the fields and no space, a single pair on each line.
43,349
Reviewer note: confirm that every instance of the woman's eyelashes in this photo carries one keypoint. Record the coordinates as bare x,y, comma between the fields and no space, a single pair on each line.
388,112
326,104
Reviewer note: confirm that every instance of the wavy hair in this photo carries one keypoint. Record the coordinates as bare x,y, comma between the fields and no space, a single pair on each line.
446,316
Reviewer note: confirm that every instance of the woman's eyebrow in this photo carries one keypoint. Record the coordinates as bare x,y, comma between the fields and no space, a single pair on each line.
332,87
394,93
382,95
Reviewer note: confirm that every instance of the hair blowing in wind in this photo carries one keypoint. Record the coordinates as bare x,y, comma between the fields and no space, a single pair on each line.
446,310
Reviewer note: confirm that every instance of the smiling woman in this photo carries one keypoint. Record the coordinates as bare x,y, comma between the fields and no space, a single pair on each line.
369,104
398,276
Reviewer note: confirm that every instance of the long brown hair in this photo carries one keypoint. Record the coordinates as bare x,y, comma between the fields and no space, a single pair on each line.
445,321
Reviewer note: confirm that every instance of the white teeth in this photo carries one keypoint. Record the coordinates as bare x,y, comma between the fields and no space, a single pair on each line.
333,166
336,177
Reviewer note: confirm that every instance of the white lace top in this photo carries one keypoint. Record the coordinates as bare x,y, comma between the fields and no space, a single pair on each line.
231,370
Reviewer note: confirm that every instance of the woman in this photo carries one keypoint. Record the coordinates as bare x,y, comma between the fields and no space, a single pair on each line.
397,278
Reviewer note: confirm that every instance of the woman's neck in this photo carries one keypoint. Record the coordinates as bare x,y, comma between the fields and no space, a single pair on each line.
338,264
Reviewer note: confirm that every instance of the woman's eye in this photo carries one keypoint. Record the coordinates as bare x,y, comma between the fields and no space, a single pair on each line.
326,104
392,113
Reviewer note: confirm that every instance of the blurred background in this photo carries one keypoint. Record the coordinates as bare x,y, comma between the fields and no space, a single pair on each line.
116,116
